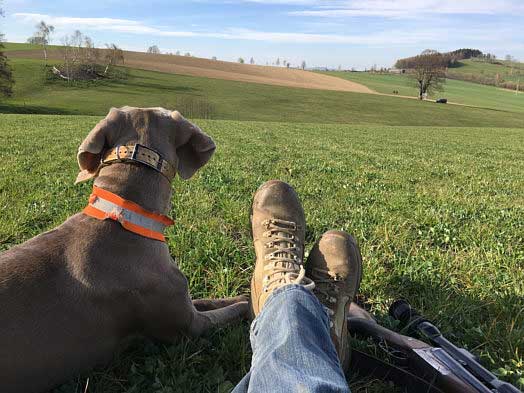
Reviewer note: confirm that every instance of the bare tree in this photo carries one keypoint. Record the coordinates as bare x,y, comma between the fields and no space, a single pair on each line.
153,49
509,60
91,55
428,73
177,53
114,56
187,54
303,65
251,61
42,36
81,59
214,58
429,52
278,61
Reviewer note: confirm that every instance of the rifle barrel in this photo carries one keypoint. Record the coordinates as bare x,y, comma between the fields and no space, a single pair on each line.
410,317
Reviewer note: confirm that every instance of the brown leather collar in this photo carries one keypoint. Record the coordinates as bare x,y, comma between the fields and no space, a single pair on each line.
141,154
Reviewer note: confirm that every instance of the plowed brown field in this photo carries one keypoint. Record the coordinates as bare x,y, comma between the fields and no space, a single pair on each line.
194,66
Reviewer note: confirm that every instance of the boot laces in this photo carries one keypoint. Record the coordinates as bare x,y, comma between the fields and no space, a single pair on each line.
327,287
285,266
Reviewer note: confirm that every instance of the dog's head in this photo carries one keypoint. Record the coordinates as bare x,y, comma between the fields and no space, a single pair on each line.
179,141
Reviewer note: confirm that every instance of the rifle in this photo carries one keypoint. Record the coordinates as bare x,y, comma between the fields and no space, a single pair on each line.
418,366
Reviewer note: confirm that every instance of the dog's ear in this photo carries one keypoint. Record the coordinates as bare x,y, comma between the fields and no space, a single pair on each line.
193,147
91,149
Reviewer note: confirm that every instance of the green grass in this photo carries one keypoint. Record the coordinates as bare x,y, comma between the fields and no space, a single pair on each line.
454,90
237,101
11,46
507,71
438,213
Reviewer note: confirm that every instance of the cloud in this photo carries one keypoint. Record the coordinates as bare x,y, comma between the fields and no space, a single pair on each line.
430,37
137,27
411,8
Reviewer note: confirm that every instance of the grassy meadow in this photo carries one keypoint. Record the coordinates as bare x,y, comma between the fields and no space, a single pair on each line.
230,100
438,212
458,91
509,71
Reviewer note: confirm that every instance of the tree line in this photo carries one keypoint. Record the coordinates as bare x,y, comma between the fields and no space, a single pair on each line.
6,74
448,59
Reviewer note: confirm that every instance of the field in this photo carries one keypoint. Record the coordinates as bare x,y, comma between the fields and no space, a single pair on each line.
438,212
207,68
433,193
457,91
233,100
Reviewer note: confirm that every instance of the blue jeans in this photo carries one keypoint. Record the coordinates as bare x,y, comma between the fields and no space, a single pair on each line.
292,347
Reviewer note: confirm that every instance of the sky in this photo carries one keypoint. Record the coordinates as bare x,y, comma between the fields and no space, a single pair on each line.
324,33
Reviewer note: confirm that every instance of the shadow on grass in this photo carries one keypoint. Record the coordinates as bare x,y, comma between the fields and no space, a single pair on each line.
35,110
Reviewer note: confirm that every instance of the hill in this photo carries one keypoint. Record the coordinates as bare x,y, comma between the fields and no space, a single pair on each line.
497,73
198,97
473,66
193,66
455,90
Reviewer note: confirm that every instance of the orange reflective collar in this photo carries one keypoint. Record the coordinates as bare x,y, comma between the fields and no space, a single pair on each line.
106,205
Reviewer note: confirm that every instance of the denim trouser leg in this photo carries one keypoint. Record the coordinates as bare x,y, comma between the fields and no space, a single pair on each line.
292,347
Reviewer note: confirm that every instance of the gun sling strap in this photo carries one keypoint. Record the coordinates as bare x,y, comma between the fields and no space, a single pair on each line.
367,365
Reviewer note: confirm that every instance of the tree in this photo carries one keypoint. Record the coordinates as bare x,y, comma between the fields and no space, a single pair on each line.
114,55
214,58
6,76
428,73
187,54
429,52
241,60
177,53
91,55
278,61
43,36
153,49
80,58
303,65
35,40
251,61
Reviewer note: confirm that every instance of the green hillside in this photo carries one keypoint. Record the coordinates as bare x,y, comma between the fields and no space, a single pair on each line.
236,101
507,71
10,46
454,90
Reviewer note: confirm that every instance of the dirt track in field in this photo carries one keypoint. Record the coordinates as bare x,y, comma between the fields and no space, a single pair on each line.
206,68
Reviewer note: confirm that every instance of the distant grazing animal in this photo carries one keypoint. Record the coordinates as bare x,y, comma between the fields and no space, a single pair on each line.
69,296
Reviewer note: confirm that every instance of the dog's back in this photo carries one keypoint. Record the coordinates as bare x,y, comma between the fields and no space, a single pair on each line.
47,312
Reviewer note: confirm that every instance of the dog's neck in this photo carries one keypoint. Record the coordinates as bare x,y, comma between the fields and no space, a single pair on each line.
137,183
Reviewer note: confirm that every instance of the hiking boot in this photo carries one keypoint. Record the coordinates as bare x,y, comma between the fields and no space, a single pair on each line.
278,227
335,265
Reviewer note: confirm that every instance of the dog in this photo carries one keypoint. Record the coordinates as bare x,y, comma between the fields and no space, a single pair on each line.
68,297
